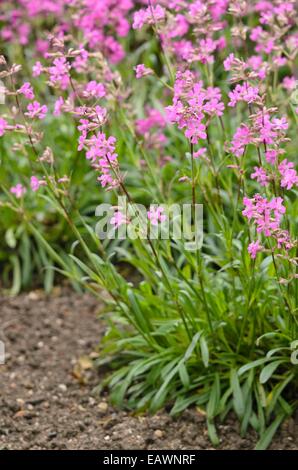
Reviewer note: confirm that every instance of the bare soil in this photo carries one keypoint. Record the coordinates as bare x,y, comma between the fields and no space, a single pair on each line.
46,384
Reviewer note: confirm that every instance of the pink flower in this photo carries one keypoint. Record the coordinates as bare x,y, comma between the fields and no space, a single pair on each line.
276,204
154,119
191,104
266,128
148,16
19,190
271,156
229,61
37,69
100,115
59,72
256,33
142,71
254,248
35,109
289,177
214,107
58,106
289,83
27,91
155,215
95,90
118,219
265,214
280,124
283,240
3,126
101,153
81,61
257,64
241,139
35,183
199,153
245,93
261,176
206,49
195,130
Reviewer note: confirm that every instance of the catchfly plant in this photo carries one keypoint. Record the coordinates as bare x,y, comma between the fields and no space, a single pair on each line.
186,113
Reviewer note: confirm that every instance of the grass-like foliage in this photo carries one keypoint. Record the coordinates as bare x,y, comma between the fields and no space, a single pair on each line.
163,102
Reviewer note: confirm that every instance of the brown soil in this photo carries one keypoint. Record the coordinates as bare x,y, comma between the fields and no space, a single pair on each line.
46,399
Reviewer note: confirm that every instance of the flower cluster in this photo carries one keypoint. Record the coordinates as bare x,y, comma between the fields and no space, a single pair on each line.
101,25
156,215
267,217
194,106
101,153
191,38
150,15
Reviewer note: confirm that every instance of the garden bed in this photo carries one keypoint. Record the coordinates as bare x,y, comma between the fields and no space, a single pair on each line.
46,399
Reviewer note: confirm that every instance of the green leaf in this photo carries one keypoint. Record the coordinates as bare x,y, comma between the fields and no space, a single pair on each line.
277,391
17,280
192,346
10,238
212,432
184,375
238,400
204,351
251,365
267,437
268,370
214,400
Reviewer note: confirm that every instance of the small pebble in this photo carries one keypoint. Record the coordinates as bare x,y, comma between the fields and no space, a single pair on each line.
102,406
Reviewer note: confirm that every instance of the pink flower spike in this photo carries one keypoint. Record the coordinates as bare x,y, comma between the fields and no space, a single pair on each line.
19,190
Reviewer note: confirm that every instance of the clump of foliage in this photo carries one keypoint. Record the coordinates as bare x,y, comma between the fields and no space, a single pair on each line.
194,102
